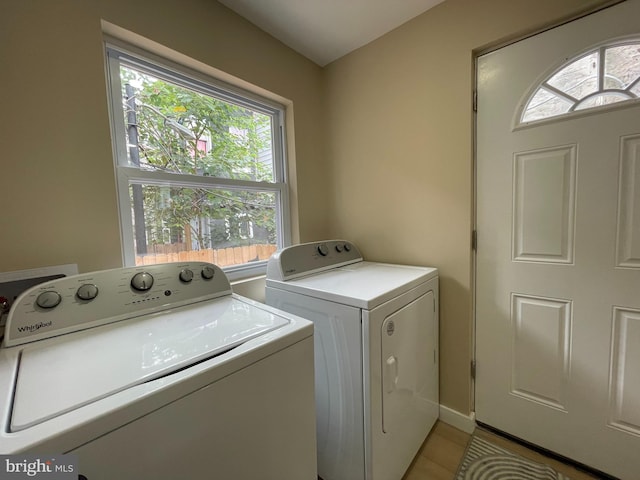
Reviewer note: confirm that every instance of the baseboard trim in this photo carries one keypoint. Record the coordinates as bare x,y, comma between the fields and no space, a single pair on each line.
466,423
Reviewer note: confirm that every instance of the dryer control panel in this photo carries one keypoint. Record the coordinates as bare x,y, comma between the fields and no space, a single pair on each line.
306,258
82,301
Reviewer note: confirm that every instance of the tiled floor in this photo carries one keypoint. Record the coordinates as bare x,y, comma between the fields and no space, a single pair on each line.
443,450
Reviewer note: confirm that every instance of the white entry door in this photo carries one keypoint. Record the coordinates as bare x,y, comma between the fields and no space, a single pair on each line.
558,258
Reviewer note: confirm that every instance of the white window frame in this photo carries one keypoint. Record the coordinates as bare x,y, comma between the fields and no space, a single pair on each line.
117,53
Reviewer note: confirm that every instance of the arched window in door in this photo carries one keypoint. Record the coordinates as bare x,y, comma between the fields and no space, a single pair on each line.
603,76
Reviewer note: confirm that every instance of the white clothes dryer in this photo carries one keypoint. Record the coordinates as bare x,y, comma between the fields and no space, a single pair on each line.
376,354
158,372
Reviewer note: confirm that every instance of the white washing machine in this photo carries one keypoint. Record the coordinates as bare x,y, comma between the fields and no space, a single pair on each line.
376,354
158,372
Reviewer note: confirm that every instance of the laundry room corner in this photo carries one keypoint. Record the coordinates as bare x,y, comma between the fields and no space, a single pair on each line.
252,288
400,141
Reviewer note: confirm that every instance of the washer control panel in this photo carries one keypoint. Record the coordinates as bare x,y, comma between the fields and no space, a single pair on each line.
87,300
306,258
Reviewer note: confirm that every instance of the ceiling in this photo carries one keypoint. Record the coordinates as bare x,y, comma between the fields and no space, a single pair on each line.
325,30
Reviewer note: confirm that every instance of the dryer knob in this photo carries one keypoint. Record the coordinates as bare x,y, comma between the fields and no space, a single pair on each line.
323,250
207,273
347,247
142,281
339,248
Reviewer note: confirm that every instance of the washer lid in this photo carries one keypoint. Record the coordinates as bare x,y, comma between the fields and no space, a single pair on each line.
62,374
362,284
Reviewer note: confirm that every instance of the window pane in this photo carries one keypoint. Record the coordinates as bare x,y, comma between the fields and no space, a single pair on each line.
545,104
174,129
622,65
579,78
602,99
225,227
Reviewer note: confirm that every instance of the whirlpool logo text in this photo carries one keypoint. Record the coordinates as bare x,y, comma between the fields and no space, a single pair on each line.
34,327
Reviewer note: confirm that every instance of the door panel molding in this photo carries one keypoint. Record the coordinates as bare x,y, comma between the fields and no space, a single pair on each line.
628,235
624,393
541,345
544,197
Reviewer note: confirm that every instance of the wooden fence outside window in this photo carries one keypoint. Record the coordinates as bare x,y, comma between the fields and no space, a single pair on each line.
223,257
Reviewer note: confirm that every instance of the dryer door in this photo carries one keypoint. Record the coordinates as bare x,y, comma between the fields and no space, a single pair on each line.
408,362
402,381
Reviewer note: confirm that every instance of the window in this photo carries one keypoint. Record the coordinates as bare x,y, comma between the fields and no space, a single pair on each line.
604,76
199,164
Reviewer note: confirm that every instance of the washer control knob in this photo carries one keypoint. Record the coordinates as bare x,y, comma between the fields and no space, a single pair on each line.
88,291
347,247
142,281
48,299
207,273
339,248
323,250
186,275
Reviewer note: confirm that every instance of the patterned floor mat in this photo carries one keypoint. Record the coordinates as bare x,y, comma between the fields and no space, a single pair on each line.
486,461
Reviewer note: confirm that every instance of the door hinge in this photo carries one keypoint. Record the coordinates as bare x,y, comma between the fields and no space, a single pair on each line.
474,240
475,101
473,369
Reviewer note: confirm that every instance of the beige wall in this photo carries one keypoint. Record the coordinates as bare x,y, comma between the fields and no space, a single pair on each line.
58,190
400,132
